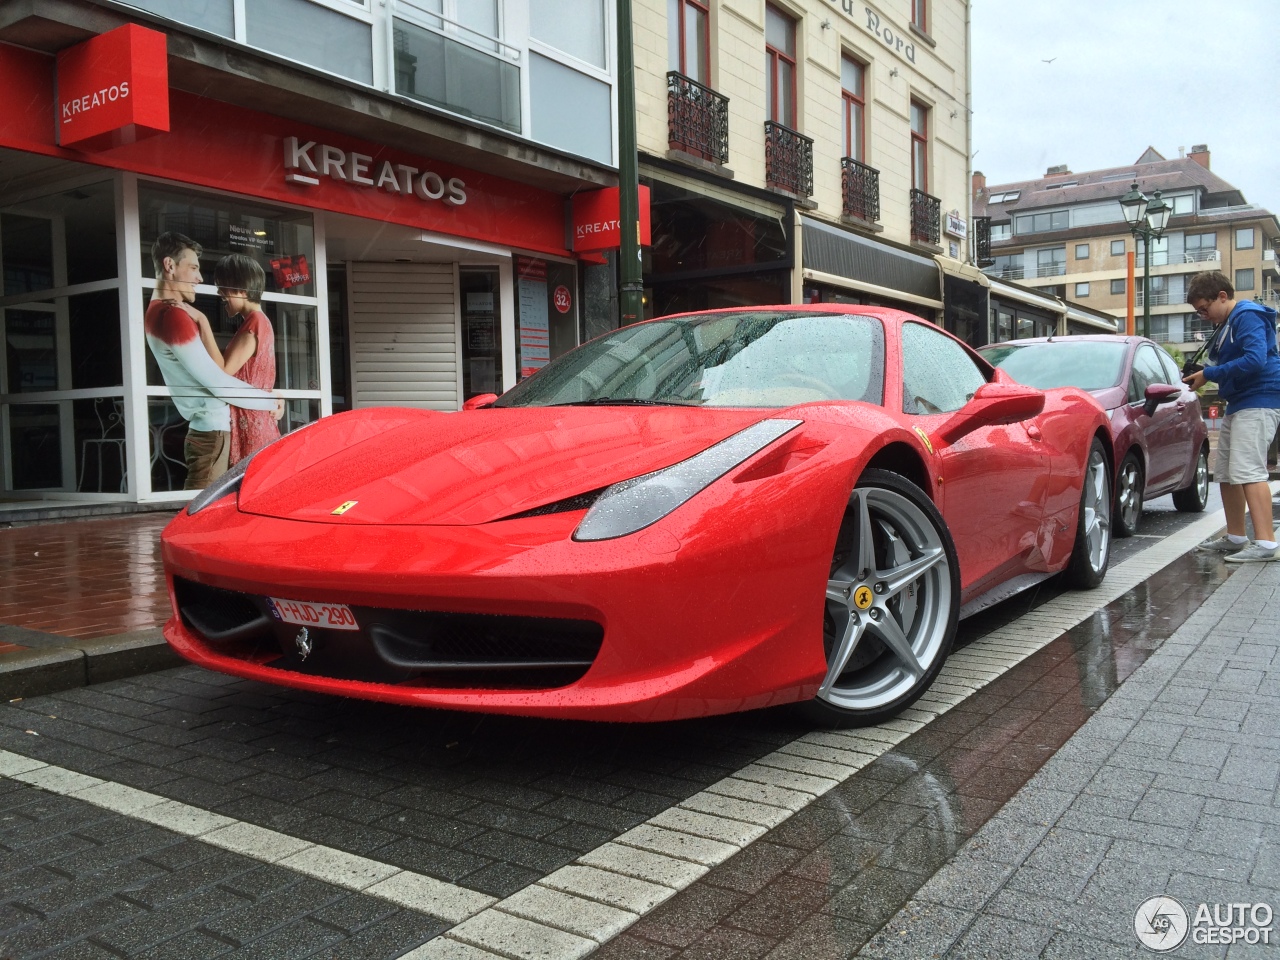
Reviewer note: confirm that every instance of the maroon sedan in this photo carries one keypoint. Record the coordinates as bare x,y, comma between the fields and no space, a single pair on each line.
1159,438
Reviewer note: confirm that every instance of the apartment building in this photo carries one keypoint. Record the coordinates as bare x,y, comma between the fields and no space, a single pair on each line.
402,170
1065,234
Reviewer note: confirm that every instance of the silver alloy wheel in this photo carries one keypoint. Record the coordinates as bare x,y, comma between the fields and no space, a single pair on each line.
888,603
1202,474
1129,493
1097,510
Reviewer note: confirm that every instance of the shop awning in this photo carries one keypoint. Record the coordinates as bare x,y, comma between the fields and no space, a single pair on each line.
846,259
1022,295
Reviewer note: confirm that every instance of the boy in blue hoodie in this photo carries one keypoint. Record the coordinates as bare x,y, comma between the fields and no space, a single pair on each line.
1245,364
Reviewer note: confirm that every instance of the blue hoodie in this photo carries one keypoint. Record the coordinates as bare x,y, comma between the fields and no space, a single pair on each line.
1245,362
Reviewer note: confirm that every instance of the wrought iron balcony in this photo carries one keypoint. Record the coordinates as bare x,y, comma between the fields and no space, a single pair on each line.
697,119
926,217
861,186
788,159
982,241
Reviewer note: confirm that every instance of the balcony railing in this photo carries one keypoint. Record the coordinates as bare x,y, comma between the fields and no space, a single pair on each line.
788,159
861,187
1007,272
1200,256
1159,298
697,119
1051,270
926,217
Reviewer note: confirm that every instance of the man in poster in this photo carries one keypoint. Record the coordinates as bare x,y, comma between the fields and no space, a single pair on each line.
200,389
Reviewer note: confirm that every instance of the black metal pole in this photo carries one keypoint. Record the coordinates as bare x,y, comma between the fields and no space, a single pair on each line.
630,273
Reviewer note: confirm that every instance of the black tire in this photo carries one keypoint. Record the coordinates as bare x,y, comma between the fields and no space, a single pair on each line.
1092,551
1192,499
892,604
1130,481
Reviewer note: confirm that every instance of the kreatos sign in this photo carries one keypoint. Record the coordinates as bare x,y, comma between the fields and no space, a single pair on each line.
113,89
595,219
305,162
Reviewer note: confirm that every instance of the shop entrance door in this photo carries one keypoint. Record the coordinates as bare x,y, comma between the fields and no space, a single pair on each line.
404,340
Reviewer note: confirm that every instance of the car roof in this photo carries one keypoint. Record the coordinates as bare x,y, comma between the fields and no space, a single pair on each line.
1072,338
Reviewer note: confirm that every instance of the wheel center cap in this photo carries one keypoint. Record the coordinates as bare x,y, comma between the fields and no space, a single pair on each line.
862,598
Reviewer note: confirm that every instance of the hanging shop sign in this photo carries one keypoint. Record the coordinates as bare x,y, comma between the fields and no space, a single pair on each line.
595,220
957,226
113,89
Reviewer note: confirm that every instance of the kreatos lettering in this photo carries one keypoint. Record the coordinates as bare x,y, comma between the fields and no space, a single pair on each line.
117,91
306,162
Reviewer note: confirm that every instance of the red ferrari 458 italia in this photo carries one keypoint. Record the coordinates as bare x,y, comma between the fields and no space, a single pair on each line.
694,515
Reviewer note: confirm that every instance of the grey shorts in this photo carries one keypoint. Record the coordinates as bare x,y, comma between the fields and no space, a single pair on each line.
1242,445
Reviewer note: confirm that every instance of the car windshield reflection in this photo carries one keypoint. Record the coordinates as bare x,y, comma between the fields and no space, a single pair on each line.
1089,364
753,359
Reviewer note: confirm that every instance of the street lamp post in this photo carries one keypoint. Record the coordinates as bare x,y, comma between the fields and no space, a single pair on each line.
1147,220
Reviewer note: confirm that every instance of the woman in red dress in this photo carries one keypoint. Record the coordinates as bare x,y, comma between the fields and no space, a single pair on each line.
250,355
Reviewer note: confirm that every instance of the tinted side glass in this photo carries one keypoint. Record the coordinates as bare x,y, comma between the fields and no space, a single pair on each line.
938,376
1146,371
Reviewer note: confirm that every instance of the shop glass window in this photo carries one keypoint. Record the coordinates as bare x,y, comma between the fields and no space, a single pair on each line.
938,376
853,94
780,66
312,34
547,301
573,26
1004,325
1082,251
35,446
1244,238
1117,287
1117,248
689,39
1082,290
919,146
1244,279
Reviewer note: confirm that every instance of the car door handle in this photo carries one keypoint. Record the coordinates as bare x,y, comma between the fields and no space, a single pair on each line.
1034,432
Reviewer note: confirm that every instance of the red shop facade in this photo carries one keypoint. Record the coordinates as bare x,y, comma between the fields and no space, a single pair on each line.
392,278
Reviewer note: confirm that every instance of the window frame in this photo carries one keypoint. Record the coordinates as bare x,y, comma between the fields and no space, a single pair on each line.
1253,238
1123,287
919,142
1081,294
775,56
1085,255
1253,279
851,101
920,15
703,8
1121,253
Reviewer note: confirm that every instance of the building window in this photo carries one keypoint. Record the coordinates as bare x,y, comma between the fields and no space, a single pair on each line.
689,40
1051,262
852,88
1244,279
920,15
576,27
1041,222
1117,248
1244,238
1200,246
919,146
1009,267
1182,205
1001,231
1117,287
1082,251
1082,290
780,66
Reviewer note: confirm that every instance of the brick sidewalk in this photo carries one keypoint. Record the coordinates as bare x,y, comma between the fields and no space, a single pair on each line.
85,578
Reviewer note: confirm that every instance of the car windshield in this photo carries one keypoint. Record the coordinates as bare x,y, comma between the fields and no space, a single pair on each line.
741,359
1087,364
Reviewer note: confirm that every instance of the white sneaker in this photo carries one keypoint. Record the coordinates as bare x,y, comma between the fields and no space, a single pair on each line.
1252,554
1222,544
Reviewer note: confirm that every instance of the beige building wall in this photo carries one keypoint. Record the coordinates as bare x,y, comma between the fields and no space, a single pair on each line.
938,78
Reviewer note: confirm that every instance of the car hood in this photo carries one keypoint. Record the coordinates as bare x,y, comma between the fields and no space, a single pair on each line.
407,466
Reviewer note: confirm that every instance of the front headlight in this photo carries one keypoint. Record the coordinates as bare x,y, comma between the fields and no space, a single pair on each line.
636,503
229,482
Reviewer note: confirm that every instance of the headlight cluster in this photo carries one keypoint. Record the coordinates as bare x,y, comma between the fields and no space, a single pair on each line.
634,504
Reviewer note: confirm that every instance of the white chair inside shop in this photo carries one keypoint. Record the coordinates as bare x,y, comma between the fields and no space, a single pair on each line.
109,443
164,420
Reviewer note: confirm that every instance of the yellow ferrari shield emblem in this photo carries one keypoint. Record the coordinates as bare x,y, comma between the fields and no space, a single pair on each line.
924,438
339,511
862,598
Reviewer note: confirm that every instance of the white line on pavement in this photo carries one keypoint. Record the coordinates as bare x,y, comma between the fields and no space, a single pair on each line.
570,912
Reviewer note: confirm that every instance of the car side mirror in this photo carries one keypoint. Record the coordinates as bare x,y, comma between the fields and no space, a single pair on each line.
482,400
992,404
1158,393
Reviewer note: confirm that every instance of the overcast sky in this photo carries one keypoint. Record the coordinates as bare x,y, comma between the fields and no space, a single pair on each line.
1127,74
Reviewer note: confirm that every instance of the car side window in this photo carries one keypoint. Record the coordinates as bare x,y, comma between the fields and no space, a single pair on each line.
938,376
1146,371
1172,375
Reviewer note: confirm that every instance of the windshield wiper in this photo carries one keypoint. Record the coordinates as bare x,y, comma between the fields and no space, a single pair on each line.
624,402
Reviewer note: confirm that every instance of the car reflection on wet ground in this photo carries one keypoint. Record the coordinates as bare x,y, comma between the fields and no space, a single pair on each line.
825,881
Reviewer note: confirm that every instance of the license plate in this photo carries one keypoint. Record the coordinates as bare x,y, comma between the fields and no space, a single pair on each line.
328,616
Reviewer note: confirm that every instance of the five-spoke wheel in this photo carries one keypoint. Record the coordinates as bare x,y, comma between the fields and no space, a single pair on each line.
1193,498
1129,484
1092,550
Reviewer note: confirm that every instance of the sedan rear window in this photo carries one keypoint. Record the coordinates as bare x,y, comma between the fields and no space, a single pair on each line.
739,359
1089,365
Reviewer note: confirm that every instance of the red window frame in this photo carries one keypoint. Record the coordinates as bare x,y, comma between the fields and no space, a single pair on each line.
776,59
855,104
920,142
681,12
920,15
